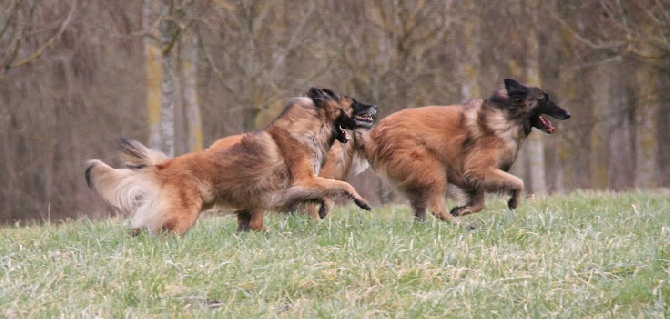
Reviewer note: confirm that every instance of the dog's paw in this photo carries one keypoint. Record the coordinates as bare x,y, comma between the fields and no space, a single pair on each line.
470,226
457,211
513,203
362,204
134,232
323,211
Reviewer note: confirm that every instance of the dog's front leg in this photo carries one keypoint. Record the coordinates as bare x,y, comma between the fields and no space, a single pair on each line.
492,179
513,202
476,202
319,188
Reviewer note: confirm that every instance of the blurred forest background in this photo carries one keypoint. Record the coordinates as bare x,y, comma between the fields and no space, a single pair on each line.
77,75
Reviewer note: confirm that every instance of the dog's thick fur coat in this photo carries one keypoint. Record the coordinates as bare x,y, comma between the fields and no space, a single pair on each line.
336,164
472,145
273,168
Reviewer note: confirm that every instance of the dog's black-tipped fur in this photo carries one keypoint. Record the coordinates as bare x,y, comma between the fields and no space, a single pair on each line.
136,156
88,176
131,153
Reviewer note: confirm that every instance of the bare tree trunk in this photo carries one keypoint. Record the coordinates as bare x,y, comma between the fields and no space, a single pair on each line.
251,110
664,133
178,109
535,144
189,85
646,145
470,89
153,73
621,149
601,76
168,29
621,168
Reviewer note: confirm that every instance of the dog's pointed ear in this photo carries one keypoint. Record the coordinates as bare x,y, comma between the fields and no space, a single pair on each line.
318,96
330,93
315,93
515,89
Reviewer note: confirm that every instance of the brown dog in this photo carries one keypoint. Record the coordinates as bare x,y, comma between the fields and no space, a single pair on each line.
473,145
341,158
273,168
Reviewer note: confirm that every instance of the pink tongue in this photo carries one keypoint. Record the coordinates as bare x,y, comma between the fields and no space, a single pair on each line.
547,124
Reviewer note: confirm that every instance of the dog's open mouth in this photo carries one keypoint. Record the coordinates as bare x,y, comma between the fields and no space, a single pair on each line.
342,135
542,123
365,120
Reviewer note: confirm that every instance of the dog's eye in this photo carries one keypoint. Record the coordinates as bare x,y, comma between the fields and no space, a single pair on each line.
544,97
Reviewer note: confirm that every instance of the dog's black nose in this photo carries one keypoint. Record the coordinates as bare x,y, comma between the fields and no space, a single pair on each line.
567,115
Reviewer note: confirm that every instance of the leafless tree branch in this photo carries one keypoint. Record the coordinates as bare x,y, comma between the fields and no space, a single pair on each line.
48,43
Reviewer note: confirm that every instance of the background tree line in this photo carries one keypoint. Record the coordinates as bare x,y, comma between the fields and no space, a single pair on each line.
179,74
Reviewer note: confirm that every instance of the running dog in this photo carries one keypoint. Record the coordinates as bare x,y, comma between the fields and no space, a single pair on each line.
473,145
270,169
341,158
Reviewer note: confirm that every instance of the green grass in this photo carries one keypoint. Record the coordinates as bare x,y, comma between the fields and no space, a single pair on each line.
594,255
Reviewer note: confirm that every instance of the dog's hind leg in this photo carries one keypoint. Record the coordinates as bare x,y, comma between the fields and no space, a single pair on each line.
432,193
418,202
311,209
423,180
180,224
419,212
249,219
182,212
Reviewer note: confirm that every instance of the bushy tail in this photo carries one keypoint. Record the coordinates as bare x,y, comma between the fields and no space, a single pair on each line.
134,155
123,188
135,189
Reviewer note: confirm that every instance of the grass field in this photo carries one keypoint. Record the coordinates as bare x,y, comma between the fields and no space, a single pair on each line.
583,255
